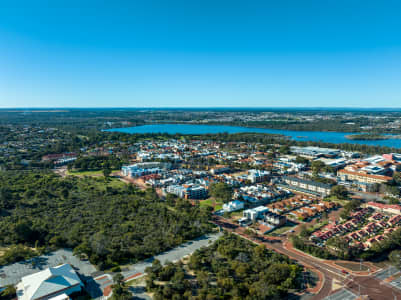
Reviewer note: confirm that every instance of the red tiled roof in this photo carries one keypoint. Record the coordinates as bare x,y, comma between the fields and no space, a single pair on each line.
107,290
381,177
132,276
385,206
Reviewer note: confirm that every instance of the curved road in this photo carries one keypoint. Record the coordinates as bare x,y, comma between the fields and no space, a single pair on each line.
359,285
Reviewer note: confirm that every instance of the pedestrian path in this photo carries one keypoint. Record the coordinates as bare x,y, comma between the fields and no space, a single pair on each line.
386,273
396,283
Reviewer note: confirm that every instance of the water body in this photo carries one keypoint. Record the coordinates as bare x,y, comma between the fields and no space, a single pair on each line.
317,136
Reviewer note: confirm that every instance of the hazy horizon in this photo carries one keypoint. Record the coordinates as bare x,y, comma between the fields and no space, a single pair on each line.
351,108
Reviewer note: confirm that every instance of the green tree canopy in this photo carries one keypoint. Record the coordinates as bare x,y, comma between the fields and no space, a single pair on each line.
221,191
339,191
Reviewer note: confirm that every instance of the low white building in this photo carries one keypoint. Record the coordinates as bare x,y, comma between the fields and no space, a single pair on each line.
233,206
54,282
255,213
145,168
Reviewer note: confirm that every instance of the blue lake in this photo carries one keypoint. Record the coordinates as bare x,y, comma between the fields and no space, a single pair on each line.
329,137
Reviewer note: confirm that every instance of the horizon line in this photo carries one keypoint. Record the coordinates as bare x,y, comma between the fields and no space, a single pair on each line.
202,107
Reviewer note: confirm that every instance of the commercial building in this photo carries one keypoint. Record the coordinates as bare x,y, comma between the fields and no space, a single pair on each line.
392,157
60,159
334,163
146,168
308,186
314,152
55,157
361,177
255,213
219,170
188,191
259,194
255,176
52,283
275,219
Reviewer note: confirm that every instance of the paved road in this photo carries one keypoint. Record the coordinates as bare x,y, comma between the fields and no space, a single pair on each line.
172,255
396,283
97,285
11,274
363,285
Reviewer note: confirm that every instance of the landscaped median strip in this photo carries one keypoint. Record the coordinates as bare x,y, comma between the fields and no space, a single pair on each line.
331,263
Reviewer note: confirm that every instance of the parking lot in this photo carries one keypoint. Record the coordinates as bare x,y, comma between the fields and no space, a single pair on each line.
98,281
172,255
12,274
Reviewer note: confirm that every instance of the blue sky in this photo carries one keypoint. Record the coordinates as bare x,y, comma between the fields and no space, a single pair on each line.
150,53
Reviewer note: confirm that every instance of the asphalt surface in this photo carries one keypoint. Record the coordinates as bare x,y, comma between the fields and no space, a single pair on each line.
172,255
386,273
358,285
12,274
396,283
342,294
139,292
